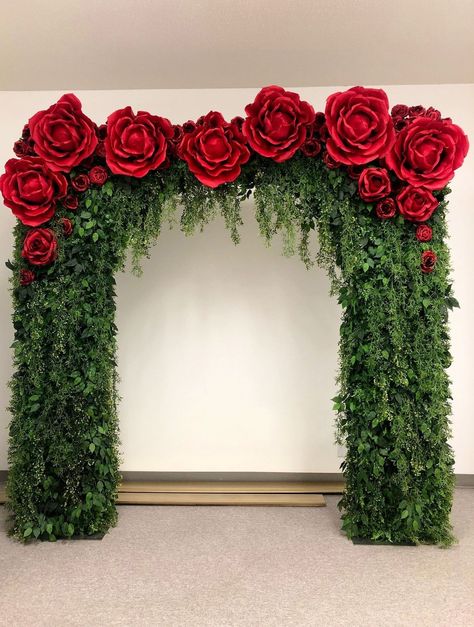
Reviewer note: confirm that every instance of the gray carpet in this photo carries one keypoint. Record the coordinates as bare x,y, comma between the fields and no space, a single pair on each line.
225,566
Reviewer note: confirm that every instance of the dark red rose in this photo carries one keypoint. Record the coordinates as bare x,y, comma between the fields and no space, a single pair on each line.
416,203
319,122
399,111
416,111
136,143
102,132
189,126
432,113
63,135
26,277
67,226
40,247
427,152
71,202
21,148
80,182
25,133
424,233
359,125
177,133
354,171
276,123
311,148
31,189
214,151
329,162
374,184
98,175
386,208
428,261
100,149
238,120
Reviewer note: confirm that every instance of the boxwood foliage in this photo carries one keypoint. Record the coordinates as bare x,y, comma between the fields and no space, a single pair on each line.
393,404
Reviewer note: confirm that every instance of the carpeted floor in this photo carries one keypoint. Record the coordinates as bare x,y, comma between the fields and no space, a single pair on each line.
225,566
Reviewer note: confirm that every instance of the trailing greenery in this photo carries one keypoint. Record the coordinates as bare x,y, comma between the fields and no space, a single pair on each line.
393,403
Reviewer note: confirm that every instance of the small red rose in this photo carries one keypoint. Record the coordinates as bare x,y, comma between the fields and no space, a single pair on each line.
98,175
26,277
31,190
63,135
329,162
374,184
21,148
71,202
359,125
214,151
386,208
416,204
276,123
80,182
311,148
136,143
67,226
100,149
428,261
40,247
424,233
399,111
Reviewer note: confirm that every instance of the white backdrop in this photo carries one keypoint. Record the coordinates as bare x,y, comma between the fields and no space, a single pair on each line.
227,355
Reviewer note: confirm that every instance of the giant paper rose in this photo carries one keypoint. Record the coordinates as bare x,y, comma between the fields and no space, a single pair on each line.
40,247
30,189
63,136
276,123
215,150
427,152
136,143
416,204
374,184
359,125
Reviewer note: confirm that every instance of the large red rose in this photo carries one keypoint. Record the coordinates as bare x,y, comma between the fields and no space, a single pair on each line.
374,184
214,150
40,247
427,152
30,189
276,123
416,204
359,125
63,136
136,143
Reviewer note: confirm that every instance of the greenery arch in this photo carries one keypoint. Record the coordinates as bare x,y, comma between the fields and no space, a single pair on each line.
393,404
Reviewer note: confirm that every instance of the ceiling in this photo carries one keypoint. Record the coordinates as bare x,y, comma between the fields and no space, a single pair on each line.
127,44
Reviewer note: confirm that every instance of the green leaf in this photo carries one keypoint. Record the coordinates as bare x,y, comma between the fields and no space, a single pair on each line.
92,447
28,531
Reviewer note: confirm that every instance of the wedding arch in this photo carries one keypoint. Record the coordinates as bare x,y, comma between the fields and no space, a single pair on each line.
371,181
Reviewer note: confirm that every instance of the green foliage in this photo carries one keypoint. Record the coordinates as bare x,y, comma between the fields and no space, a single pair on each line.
393,404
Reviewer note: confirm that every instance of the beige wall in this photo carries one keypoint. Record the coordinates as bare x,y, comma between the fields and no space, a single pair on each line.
227,355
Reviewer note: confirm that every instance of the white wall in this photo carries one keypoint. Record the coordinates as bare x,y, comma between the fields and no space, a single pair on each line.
227,354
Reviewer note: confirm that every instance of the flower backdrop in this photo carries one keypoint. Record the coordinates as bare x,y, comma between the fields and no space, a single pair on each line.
373,183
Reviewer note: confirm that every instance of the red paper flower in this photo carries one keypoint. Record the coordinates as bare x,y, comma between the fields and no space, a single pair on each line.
427,152
80,182
359,125
26,277
276,123
98,175
374,184
136,143
214,151
424,233
311,148
31,190
63,136
67,226
40,247
386,208
416,204
428,261
71,202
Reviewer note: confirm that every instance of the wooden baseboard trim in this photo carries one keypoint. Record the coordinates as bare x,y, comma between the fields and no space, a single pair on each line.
233,487
256,499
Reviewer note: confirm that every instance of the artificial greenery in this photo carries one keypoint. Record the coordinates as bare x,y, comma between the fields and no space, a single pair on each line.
392,406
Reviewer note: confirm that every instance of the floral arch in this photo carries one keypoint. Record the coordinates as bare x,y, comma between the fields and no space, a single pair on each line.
371,181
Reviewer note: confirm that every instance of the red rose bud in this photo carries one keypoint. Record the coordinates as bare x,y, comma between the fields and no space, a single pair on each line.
40,247
276,123
98,175
80,182
21,148
31,190
71,202
189,126
424,233
386,208
416,204
25,134
67,226
63,135
374,184
329,162
416,112
359,125
428,261
399,111
319,121
311,148
102,131
26,277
